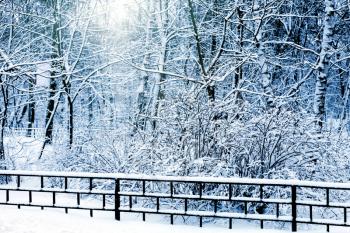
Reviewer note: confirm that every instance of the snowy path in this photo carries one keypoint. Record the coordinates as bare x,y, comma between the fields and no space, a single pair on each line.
32,220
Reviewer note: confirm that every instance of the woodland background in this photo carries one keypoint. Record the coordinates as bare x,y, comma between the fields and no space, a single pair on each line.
246,88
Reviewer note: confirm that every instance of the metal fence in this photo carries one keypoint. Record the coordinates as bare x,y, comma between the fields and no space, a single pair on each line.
180,196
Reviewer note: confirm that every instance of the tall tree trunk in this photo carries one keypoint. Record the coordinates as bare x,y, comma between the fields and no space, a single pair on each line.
71,122
3,115
90,106
142,99
158,92
210,87
55,71
4,89
323,65
50,111
49,123
239,71
70,103
31,107
31,86
266,77
266,81
142,103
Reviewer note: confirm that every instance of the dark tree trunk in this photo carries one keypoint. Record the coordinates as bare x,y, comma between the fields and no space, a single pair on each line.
71,121
90,107
56,68
50,110
3,117
142,104
31,108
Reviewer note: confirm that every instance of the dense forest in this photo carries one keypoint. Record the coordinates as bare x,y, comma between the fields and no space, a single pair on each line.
245,88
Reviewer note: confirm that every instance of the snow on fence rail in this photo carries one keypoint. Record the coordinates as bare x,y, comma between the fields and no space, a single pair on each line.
180,196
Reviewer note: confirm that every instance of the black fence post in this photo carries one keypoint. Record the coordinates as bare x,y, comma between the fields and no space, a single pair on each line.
117,200
18,181
294,208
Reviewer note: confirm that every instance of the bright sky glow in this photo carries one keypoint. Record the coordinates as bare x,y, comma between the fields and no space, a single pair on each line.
120,10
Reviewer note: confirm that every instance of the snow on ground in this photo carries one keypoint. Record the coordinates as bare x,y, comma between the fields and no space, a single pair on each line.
33,220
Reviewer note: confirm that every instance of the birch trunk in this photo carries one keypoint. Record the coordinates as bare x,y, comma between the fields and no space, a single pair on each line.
158,93
142,101
323,65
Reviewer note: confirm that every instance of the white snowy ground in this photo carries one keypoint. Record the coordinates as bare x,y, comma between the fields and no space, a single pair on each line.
33,220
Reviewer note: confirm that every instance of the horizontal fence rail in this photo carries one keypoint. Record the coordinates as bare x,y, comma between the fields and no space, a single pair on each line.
201,197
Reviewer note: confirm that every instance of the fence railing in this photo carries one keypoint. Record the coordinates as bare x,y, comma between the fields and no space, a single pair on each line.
202,197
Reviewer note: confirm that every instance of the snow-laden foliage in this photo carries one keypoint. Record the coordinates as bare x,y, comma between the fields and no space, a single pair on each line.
244,88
